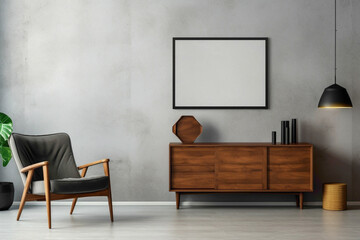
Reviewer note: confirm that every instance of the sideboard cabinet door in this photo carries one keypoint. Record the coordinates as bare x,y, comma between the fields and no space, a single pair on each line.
290,168
192,168
241,168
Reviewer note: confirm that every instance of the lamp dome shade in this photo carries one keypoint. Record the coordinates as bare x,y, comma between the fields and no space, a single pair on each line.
335,96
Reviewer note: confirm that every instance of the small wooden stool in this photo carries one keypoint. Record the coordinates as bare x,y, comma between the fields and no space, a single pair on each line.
334,196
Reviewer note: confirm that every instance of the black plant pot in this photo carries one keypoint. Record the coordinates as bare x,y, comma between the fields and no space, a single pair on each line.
6,195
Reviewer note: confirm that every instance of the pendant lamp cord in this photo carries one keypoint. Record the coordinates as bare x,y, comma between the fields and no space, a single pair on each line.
335,46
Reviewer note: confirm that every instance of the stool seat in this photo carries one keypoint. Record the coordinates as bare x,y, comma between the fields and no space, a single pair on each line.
335,196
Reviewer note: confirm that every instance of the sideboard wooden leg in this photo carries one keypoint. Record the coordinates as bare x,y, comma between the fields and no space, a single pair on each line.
177,200
297,200
301,198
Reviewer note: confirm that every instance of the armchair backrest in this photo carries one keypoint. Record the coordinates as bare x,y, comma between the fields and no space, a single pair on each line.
54,148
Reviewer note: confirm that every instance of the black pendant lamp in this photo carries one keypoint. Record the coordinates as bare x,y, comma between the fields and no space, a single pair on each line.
335,96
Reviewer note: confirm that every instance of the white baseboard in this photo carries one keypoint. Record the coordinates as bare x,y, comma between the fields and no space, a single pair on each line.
185,203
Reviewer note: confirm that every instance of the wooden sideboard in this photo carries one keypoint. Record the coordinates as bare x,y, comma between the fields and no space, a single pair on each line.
241,167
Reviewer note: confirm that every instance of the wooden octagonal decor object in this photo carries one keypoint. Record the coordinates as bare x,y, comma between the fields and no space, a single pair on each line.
187,129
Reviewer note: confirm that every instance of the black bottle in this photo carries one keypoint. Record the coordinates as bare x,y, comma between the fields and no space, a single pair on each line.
287,132
273,137
293,131
282,132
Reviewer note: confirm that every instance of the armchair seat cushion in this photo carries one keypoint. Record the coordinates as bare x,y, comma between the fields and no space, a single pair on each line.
72,185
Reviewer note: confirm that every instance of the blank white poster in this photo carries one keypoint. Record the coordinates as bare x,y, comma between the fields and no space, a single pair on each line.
220,73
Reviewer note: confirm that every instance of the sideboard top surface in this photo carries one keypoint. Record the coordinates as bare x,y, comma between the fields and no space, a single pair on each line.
239,144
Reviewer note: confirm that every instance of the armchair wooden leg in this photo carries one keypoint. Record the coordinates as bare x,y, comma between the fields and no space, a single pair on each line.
107,173
83,173
26,188
110,206
47,193
73,205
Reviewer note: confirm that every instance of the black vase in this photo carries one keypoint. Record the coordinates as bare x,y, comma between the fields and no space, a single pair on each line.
287,132
6,195
283,134
293,131
273,139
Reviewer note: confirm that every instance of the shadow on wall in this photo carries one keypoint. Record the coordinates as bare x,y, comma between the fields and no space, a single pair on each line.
356,176
329,166
210,133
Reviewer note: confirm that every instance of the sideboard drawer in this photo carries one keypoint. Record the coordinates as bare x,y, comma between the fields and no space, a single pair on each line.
192,156
192,177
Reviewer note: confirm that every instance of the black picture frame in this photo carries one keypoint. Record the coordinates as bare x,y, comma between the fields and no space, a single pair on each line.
265,106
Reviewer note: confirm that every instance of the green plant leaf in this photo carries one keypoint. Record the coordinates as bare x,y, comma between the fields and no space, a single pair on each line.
5,153
6,128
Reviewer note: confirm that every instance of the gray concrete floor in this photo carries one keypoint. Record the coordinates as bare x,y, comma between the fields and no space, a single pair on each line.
165,222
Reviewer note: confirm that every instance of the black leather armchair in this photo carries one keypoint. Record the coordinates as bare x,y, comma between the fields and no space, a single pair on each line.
48,171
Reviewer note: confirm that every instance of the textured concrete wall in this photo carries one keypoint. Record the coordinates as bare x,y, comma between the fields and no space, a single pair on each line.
355,53
102,72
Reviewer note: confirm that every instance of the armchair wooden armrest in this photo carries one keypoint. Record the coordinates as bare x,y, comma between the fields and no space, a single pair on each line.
33,166
94,163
